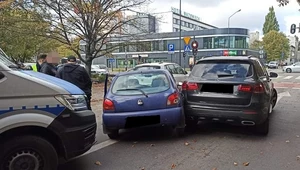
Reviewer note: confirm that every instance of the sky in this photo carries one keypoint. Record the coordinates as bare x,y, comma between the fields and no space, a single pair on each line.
252,15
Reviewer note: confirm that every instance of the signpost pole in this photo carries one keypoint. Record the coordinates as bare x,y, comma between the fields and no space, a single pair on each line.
171,57
180,32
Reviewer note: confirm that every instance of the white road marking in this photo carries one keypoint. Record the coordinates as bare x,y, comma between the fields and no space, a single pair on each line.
288,77
298,78
283,94
295,88
98,147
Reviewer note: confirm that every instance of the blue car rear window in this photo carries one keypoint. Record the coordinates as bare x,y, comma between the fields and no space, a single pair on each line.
217,69
136,84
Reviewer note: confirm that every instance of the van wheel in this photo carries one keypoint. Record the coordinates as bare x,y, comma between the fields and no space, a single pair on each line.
28,152
288,70
114,134
263,129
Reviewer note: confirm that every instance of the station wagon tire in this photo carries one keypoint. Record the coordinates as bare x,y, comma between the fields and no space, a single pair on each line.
288,70
113,134
28,152
274,99
263,129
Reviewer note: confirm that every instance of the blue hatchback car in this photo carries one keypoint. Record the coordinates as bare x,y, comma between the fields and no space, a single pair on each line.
142,98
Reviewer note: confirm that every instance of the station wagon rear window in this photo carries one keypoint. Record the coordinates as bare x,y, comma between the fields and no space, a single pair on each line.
222,69
140,83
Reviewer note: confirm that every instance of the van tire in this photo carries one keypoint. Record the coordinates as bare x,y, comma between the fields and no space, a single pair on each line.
37,151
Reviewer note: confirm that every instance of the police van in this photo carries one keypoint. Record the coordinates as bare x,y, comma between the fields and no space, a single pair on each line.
42,119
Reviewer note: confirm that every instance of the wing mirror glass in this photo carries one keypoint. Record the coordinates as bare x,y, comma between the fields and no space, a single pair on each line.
273,75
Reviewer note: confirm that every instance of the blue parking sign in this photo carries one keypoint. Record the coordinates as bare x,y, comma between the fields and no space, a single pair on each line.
171,48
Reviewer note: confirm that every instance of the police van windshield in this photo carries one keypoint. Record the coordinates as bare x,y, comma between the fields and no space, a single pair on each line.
4,59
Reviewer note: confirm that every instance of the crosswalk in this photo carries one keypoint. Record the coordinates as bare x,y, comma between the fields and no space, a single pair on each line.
287,78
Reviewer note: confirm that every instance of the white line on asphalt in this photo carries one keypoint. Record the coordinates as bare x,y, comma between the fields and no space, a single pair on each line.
295,88
298,77
288,77
283,94
99,146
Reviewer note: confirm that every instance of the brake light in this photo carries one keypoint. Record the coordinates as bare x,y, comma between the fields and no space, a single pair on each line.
173,99
257,88
189,86
108,105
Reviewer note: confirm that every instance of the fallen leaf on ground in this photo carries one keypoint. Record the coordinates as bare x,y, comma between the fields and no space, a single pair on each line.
132,146
214,169
143,168
152,145
235,164
287,141
297,136
173,166
98,163
246,163
298,158
186,143
192,148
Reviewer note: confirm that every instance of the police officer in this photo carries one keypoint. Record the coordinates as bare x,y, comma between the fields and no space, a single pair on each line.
78,76
40,60
48,67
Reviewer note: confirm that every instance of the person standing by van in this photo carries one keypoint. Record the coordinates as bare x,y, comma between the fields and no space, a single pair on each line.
78,76
40,60
48,66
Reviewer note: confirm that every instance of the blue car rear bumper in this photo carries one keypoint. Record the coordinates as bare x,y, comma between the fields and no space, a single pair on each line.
168,117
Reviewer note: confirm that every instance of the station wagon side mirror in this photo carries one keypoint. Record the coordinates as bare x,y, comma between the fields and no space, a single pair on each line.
273,75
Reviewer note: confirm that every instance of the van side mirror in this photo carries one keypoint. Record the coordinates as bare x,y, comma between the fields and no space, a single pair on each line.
273,75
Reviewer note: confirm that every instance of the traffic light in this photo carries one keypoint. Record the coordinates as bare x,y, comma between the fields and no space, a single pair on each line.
184,54
195,47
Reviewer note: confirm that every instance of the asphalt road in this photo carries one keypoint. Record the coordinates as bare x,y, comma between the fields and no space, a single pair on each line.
210,146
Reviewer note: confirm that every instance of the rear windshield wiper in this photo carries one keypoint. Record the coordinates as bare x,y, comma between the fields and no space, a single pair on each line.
134,90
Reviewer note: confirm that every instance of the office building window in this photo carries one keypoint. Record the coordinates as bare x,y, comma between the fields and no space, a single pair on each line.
174,29
220,42
174,21
207,43
155,45
240,42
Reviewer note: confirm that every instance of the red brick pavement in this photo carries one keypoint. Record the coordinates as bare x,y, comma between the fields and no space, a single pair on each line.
286,85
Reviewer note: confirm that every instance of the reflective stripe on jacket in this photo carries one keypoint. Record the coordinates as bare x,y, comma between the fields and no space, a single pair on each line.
34,68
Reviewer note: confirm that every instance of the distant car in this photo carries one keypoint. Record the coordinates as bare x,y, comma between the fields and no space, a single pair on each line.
235,90
273,64
292,68
177,71
142,98
99,69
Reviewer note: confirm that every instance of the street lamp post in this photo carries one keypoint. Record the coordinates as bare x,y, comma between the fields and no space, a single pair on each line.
180,32
228,28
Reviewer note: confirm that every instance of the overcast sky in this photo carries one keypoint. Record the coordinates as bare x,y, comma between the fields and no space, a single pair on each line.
216,12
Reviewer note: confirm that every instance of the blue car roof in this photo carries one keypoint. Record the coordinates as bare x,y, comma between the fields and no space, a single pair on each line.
144,71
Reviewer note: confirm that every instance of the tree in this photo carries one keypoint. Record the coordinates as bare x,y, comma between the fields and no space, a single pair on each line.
91,21
22,47
275,43
285,2
255,45
271,22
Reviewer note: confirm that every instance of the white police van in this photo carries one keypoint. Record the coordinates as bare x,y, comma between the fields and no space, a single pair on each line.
42,118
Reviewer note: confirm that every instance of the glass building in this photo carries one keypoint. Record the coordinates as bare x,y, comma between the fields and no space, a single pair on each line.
149,48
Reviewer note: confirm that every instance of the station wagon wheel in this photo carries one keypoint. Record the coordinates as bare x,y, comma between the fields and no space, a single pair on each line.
288,70
274,99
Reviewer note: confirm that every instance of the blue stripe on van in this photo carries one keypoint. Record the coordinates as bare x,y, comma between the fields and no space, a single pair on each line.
53,110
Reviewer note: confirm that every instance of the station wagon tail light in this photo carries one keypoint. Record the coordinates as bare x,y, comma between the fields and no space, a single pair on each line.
108,105
189,86
173,99
257,88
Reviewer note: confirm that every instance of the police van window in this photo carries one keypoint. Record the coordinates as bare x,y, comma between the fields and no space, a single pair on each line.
4,59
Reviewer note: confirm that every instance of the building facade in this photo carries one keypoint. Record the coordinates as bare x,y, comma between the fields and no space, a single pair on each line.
154,47
141,23
294,48
189,22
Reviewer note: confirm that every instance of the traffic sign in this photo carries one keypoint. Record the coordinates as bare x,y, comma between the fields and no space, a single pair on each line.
111,60
171,48
261,51
186,40
187,48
